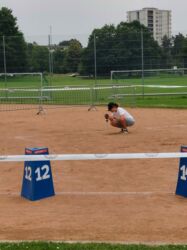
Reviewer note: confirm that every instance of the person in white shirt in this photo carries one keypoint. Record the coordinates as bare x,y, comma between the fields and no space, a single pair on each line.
119,117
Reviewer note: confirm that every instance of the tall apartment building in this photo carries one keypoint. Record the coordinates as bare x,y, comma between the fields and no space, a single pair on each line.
157,21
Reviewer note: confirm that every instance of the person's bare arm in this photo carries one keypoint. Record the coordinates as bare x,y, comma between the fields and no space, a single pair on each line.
111,117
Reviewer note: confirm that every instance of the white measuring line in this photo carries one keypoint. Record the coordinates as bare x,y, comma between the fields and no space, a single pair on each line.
100,193
113,193
83,157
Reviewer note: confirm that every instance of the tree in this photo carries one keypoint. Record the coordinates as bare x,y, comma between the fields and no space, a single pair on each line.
178,50
59,57
183,54
131,38
120,48
38,57
104,40
15,46
72,56
65,44
167,60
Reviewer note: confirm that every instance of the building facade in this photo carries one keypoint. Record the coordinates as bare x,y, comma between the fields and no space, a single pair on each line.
157,21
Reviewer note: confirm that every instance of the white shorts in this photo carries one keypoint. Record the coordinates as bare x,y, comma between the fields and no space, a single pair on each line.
129,122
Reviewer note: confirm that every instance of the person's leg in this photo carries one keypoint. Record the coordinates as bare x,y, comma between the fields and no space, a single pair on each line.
118,124
114,122
122,124
130,122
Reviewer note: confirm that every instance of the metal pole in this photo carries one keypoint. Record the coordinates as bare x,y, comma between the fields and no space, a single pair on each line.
93,92
49,40
52,63
142,55
95,59
111,76
40,109
4,55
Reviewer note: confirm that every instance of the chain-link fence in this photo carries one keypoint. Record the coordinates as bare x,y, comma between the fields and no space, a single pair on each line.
55,97
91,56
85,70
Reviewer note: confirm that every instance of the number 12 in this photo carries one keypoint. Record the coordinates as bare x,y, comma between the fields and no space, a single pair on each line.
39,175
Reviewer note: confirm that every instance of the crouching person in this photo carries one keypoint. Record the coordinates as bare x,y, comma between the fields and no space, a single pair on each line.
119,117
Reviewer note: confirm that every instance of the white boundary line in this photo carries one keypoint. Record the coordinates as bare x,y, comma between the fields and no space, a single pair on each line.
83,157
99,193
69,88
113,193
147,243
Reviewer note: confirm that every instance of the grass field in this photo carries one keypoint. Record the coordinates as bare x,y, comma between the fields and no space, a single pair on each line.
64,246
99,97
66,80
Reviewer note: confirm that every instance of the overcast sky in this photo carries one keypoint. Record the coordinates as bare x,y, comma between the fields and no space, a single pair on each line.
70,17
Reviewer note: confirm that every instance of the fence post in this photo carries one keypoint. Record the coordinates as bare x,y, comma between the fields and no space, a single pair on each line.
41,100
95,59
92,103
50,57
4,60
142,56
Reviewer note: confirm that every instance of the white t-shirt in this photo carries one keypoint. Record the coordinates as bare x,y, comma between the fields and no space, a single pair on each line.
120,112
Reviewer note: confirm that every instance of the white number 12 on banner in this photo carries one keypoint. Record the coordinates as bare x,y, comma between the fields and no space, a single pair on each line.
39,176
184,173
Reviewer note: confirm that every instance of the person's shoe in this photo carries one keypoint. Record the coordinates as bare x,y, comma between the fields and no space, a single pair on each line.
124,130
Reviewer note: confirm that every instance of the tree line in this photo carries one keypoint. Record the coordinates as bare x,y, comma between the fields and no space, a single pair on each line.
112,47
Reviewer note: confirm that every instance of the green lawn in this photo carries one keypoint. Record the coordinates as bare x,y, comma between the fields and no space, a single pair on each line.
98,97
62,246
66,80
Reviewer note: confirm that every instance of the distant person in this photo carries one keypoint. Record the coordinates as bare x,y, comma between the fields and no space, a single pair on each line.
119,117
